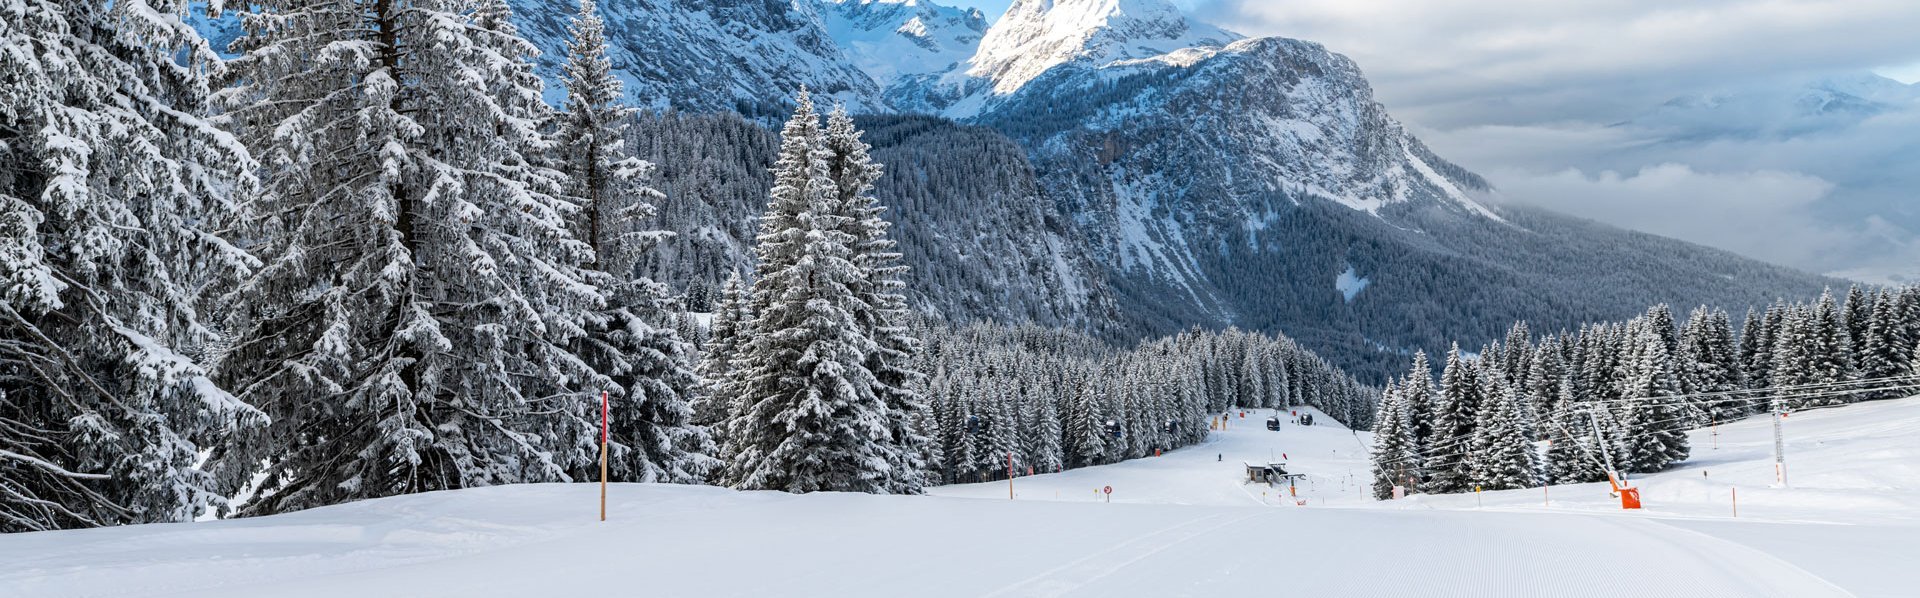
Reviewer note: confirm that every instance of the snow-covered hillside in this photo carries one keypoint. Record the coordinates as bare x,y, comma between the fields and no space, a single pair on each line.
1178,525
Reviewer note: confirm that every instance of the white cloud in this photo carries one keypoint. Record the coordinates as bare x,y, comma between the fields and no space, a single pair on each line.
1766,214
1453,62
1561,104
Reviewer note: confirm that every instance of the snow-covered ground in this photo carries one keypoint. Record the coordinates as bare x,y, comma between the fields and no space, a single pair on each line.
1179,525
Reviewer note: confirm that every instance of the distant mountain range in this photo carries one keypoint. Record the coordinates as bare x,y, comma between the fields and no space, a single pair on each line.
1119,167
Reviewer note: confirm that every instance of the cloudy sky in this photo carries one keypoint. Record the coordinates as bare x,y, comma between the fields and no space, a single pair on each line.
1759,126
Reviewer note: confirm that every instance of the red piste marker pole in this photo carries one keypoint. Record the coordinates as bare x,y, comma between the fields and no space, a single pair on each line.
604,410
1009,475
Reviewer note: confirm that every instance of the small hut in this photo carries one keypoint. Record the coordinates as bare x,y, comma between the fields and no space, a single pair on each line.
1266,473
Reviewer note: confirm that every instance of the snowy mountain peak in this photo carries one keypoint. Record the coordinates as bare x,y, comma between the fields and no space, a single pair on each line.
1037,35
895,39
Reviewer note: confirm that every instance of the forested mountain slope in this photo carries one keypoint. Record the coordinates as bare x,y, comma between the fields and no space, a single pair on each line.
982,240
1149,173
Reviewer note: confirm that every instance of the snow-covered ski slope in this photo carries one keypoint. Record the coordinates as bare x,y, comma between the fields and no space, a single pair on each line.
1179,525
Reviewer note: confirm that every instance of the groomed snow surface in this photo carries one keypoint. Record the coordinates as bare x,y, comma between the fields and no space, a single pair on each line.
1178,525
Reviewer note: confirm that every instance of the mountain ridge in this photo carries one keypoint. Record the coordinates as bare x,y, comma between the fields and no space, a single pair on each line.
1122,168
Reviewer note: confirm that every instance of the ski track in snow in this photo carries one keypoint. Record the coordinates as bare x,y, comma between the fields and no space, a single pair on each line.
1180,525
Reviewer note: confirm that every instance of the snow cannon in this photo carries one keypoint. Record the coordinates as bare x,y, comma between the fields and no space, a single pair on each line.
1629,495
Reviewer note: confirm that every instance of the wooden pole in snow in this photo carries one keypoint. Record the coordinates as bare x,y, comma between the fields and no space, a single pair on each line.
603,455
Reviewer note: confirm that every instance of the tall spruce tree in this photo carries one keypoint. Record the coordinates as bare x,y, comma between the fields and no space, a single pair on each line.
1756,349
1392,454
1545,375
879,308
811,419
1710,367
422,289
1573,451
642,360
1503,456
1417,391
1445,460
725,337
1880,357
1858,313
1832,357
114,191
1654,418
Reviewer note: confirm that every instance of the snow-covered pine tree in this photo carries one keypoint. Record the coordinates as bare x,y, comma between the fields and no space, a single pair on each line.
1833,360
725,337
1792,353
422,289
1914,365
1043,432
1756,353
1086,436
1516,355
1445,459
114,191
1880,357
1659,320
1392,455
1858,313
879,308
1710,367
641,358
1773,325
1907,336
1572,451
1654,418
811,419
1504,457
1417,391
1545,375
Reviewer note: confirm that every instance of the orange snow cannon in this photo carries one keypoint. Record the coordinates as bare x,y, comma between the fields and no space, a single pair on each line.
1629,496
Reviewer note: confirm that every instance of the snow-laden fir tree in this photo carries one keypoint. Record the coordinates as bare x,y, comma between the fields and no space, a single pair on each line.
1833,360
1086,437
1711,367
879,307
811,419
1914,365
1516,352
1445,459
1417,392
1503,457
422,292
113,194
629,340
1546,372
1756,351
1858,314
1393,454
1573,452
1654,419
1879,350
725,337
